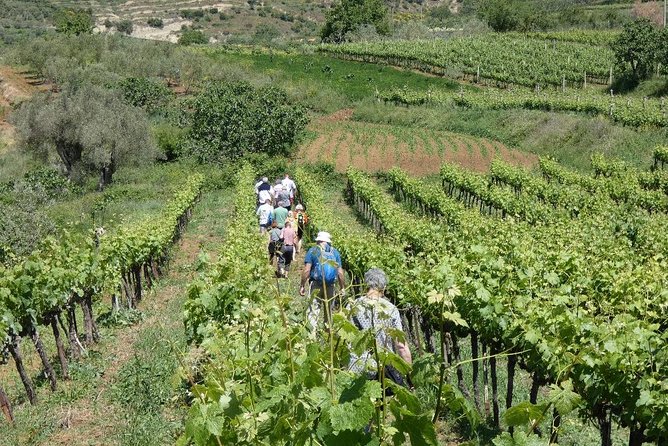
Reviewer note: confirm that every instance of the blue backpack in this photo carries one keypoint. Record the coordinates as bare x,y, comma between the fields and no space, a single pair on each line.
326,267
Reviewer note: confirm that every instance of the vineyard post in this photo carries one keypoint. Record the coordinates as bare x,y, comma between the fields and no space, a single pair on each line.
512,360
585,80
475,365
610,78
563,83
495,389
485,378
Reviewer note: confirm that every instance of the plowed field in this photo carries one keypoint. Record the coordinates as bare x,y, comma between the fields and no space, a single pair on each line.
377,147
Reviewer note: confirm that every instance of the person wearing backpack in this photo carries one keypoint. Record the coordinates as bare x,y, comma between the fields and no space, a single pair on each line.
322,269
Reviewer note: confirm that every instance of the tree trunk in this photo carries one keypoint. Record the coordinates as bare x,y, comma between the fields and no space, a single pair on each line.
475,366
39,346
6,407
15,350
88,302
137,276
637,436
605,425
88,323
62,357
76,349
460,370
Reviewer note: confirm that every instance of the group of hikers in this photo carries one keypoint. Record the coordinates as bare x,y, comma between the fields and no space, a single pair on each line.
322,271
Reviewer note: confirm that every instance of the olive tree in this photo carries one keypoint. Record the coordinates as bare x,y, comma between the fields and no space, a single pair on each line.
89,129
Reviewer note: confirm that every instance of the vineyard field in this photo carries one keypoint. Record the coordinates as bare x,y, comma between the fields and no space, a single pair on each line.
376,147
503,59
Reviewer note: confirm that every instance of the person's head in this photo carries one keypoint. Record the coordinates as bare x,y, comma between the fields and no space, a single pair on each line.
299,207
287,176
323,238
291,214
274,224
265,179
375,279
288,224
267,201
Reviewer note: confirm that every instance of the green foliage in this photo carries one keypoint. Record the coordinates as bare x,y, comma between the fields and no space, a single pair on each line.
125,26
74,21
170,140
87,129
146,93
266,33
349,15
191,14
639,47
192,36
155,22
229,120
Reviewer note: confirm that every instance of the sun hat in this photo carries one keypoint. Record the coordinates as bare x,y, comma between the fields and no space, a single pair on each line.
299,207
323,237
265,179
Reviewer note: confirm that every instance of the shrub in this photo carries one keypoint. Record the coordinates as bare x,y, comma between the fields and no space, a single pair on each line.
145,93
349,15
191,14
192,36
155,22
125,26
230,120
74,21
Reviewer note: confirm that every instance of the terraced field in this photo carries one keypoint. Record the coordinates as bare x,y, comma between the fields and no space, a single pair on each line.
378,147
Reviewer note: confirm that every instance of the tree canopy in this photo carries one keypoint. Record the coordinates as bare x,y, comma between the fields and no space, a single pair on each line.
74,21
349,15
639,47
230,120
90,129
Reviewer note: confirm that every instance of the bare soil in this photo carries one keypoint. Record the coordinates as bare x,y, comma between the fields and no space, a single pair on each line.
343,142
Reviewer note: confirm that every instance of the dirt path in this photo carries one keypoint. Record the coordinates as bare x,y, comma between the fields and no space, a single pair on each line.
15,87
89,409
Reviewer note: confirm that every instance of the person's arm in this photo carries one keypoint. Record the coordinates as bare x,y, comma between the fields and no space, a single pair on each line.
403,351
306,272
341,275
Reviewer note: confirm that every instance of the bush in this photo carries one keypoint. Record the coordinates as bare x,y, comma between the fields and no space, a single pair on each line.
145,93
191,14
192,36
125,26
230,120
155,22
74,21
170,140
349,15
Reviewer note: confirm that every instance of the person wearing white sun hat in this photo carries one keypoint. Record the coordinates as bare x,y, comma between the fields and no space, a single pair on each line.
322,269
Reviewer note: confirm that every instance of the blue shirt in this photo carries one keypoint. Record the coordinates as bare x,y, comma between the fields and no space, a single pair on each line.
313,257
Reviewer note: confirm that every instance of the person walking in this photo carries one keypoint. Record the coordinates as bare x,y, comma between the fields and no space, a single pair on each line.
283,198
264,213
301,219
322,269
289,236
264,190
290,186
374,312
274,242
280,216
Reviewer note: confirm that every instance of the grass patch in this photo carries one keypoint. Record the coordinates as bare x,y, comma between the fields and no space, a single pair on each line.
569,138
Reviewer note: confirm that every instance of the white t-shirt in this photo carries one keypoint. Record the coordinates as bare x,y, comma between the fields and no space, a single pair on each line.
264,212
290,186
264,196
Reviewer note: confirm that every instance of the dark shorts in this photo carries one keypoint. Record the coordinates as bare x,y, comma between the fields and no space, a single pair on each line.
300,232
